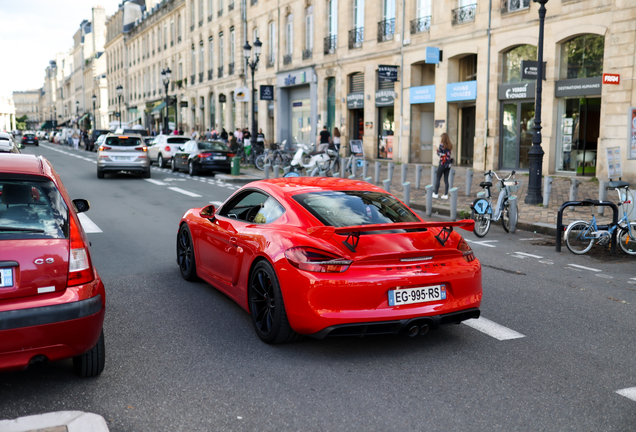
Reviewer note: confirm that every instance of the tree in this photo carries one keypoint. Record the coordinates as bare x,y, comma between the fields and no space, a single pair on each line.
21,122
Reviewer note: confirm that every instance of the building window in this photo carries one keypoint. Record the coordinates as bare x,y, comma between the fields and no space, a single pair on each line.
232,45
194,62
272,43
289,35
210,9
468,68
211,53
465,12
514,5
512,63
332,17
200,13
192,15
582,57
201,60
422,21
221,49
309,28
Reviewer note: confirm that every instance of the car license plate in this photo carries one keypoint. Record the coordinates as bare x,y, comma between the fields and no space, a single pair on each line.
6,278
425,294
121,158
218,157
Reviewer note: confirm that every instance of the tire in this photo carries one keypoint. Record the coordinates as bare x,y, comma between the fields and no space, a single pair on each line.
91,363
173,165
259,163
267,307
505,217
192,170
185,254
147,173
627,243
482,223
160,161
573,240
100,174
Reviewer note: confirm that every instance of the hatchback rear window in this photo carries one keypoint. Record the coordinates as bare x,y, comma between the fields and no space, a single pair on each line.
123,141
178,140
31,209
351,208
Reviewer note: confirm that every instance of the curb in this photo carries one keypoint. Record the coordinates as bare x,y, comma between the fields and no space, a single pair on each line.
64,421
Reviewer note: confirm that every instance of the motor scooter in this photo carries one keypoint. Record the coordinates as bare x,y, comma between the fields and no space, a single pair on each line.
309,161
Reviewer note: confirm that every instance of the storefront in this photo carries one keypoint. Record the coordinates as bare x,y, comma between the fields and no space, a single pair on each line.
385,101
422,101
517,121
355,106
461,98
297,106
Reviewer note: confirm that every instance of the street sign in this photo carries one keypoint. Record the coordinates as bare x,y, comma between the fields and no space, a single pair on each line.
530,69
267,92
433,55
610,78
387,73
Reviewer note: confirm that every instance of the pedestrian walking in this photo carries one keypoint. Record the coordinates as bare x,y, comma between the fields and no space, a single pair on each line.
224,135
233,143
325,136
260,138
445,161
336,139
208,135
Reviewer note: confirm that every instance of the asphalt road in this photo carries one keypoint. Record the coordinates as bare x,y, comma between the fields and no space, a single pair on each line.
181,356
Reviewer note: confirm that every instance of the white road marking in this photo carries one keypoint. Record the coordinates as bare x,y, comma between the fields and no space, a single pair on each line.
584,268
631,282
483,242
88,225
634,279
629,393
185,192
157,182
604,276
546,262
529,255
492,329
528,239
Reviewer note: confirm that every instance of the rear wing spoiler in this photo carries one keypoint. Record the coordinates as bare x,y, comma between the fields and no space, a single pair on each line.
353,232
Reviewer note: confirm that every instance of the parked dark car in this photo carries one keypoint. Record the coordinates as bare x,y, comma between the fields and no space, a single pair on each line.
94,135
203,156
30,138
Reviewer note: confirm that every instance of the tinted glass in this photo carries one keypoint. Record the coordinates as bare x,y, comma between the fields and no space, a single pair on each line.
32,209
512,63
582,57
350,208
123,141
178,140
212,146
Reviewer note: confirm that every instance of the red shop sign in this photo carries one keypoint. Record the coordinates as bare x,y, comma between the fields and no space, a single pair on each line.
609,78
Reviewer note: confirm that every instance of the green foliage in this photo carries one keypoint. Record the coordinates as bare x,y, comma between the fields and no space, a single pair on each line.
584,56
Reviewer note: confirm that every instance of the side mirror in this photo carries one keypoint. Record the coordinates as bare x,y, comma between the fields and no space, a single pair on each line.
207,212
81,205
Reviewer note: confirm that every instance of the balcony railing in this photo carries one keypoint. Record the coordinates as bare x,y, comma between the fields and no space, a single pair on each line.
330,44
230,7
287,59
210,74
421,25
220,70
230,68
514,5
464,14
356,36
200,77
386,30
210,18
269,61
192,79
307,53
219,13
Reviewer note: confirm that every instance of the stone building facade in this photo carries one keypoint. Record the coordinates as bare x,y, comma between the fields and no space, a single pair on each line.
27,103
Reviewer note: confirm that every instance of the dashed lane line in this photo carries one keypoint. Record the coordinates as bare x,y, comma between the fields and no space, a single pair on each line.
483,242
493,329
584,268
629,393
88,225
528,255
185,192
157,182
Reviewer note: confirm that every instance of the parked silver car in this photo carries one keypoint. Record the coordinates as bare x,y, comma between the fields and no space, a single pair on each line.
123,153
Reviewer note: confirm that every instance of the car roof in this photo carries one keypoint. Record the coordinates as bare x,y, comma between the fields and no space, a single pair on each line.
296,185
25,164
133,135
6,135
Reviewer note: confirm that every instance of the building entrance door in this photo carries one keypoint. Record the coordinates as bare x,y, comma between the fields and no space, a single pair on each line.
467,136
517,120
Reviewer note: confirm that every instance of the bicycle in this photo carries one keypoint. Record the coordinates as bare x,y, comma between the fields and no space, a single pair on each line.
580,235
482,210
273,156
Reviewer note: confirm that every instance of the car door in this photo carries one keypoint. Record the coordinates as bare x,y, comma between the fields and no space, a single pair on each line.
153,150
181,158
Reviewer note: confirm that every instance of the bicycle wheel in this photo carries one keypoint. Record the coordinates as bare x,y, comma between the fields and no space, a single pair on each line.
259,163
482,223
505,217
628,244
577,239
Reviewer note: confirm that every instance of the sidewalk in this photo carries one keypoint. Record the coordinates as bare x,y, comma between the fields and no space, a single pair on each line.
531,217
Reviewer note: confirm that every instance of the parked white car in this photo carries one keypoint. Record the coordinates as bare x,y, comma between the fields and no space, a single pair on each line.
164,147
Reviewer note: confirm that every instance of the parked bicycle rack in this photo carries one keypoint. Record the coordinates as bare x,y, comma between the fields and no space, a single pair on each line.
588,202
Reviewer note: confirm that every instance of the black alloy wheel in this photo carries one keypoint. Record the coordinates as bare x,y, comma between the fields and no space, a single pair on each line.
192,170
185,254
267,307
173,165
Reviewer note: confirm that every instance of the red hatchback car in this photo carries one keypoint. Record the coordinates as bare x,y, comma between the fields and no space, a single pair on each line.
52,300
331,257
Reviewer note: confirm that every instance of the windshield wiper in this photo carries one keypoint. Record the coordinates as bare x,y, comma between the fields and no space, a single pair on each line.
13,229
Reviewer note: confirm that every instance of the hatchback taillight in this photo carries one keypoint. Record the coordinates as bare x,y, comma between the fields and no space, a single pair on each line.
316,260
80,270
104,148
168,149
467,252
144,148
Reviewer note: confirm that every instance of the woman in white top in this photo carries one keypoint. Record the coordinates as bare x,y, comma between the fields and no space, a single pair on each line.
336,138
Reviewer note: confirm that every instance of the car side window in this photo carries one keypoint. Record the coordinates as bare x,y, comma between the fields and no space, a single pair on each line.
245,207
270,211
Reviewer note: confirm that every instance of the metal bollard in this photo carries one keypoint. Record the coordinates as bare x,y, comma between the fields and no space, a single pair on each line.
368,179
407,193
602,196
453,203
574,189
376,176
469,181
433,175
451,178
418,176
266,170
547,188
403,169
343,168
429,199
513,213
387,185
390,171
365,169
276,171
352,177
354,166
286,170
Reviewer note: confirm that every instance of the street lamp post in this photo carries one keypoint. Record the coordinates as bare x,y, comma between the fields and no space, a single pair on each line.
535,154
94,98
247,50
120,90
165,77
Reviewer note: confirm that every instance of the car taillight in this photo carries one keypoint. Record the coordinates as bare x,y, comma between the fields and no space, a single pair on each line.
80,270
467,252
231,155
144,148
316,260
204,155
168,148
104,148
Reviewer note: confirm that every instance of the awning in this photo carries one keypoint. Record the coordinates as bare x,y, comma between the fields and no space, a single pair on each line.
83,117
47,125
158,108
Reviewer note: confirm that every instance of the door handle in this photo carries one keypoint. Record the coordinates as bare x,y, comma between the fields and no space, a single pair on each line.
233,240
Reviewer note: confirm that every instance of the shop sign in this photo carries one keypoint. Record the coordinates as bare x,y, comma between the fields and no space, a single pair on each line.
387,73
609,78
461,91
241,94
296,78
578,87
516,91
423,94
530,69
267,92
614,168
433,55
355,100
439,124
631,130
384,98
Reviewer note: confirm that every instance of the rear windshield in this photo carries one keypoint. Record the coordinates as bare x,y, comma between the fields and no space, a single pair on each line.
123,141
212,146
32,209
350,208
141,132
178,140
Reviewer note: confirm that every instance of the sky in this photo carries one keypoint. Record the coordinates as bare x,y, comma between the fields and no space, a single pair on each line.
32,31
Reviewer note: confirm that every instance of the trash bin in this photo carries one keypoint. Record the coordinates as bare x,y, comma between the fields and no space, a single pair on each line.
236,165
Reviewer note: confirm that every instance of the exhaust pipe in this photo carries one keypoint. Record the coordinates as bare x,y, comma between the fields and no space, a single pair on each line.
413,331
424,329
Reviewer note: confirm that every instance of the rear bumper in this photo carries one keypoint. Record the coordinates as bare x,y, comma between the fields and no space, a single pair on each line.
224,166
122,167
